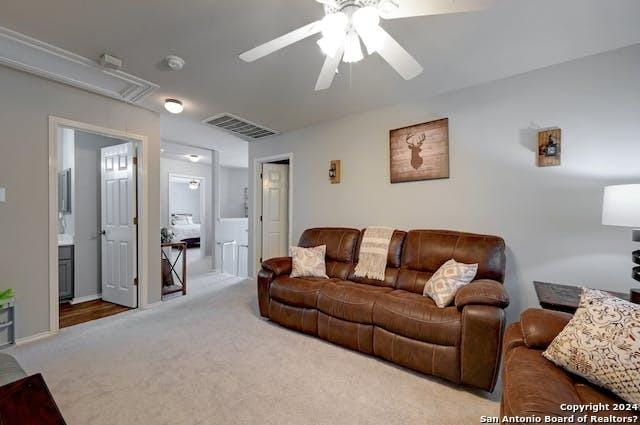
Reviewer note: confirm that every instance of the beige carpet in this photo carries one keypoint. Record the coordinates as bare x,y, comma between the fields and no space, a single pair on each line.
208,359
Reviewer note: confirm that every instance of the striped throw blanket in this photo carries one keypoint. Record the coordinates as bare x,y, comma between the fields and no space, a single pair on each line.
374,249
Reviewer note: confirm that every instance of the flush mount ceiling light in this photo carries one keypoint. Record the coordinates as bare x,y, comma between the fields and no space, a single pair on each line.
348,22
173,105
194,184
193,158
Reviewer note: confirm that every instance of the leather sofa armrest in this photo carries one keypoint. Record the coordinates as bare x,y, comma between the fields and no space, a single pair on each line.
512,338
279,266
539,327
483,292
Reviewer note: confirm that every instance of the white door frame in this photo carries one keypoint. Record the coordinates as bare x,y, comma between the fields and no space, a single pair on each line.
204,218
256,208
56,123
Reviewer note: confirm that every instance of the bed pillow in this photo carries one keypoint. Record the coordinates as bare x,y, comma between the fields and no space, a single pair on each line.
445,283
189,219
308,262
179,219
601,343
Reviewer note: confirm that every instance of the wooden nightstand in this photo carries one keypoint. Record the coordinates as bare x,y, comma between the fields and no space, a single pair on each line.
554,296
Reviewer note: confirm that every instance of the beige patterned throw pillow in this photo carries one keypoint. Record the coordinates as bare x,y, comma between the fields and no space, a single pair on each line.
449,278
602,344
308,262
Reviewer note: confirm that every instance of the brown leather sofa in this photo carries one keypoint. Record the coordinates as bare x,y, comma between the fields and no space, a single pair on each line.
535,387
392,319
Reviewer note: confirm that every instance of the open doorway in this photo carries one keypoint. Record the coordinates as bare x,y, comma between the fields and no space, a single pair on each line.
97,225
273,214
186,208
233,220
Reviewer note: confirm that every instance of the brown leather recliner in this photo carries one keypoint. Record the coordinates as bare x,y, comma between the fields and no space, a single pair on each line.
534,386
392,319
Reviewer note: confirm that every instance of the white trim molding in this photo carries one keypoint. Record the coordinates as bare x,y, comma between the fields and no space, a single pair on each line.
144,250
45,60
34,338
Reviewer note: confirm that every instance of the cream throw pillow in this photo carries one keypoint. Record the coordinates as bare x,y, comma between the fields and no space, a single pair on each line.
308,262
445,283
602,344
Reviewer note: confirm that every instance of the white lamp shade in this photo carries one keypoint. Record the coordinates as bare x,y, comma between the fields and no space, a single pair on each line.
621,205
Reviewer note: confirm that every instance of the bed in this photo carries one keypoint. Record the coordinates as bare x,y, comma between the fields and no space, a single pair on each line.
185,230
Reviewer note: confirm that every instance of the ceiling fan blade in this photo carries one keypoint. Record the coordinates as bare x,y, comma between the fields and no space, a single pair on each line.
399,58
409,8
329,69
281,42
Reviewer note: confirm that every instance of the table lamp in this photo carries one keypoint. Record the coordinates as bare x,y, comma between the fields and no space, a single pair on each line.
621,207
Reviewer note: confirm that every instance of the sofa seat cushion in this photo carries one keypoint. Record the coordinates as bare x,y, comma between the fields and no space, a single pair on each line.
350,301
296,291
416,316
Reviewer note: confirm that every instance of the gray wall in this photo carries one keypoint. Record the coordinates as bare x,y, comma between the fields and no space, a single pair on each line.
24,259
233,181
549,217
174,166
184,200
88,217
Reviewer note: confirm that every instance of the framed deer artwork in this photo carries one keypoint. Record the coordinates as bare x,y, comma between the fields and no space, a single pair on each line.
420,152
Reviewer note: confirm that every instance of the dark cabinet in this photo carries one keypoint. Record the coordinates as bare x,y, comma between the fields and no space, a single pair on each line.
65,273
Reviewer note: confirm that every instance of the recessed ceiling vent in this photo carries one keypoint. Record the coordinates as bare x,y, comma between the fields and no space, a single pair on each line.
239,127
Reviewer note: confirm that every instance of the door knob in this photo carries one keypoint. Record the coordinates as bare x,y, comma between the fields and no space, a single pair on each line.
104,232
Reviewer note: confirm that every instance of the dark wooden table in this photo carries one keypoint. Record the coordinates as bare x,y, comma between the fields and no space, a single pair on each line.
554,296
181,277
28,401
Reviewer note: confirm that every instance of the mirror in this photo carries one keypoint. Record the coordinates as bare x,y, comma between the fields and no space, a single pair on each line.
64,191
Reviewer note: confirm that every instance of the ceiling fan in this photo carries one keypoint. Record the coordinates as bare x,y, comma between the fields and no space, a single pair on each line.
346,22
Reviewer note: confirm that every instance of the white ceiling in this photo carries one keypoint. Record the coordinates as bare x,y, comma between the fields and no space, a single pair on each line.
456,51
178,130
181,152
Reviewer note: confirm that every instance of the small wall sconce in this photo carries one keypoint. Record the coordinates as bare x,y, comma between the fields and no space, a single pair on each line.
334,171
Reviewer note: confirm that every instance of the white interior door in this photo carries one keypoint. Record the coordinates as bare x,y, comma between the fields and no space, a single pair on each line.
275,210
119,251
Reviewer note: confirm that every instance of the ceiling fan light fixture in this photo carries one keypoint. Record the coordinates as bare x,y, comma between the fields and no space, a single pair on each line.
330,46
193,158
387,7
352,48
366,21
334,25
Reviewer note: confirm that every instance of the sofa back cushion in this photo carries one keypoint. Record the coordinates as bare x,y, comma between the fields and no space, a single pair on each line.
426,250
341,247
394,259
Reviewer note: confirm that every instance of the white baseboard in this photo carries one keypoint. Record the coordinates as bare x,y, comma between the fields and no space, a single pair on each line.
33,338
79,300
152,305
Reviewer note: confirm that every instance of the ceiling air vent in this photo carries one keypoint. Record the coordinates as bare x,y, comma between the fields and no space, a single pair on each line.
239,127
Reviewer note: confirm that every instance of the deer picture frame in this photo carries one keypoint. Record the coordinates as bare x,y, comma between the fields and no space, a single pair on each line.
420,152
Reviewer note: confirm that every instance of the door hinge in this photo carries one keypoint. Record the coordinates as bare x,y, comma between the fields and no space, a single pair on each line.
135,160
261,176
260,219
261,259
135,221
135,281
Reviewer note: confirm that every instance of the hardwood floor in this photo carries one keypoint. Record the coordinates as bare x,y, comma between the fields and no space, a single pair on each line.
85,312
